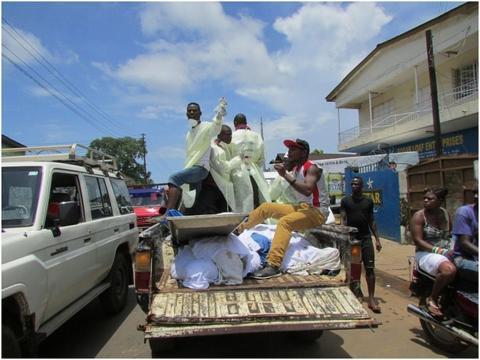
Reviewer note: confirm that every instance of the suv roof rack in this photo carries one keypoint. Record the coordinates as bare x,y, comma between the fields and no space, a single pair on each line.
72,153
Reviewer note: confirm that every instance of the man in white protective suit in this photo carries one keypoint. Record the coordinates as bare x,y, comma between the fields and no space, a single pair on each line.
217,189
249,184
197,161
221,164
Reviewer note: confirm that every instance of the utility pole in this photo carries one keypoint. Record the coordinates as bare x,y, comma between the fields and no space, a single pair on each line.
145,174
437,133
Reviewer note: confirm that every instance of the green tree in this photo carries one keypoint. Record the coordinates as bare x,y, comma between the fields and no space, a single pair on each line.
317,152
128,151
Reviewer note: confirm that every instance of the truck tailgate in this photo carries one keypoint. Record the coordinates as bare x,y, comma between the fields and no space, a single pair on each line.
179,314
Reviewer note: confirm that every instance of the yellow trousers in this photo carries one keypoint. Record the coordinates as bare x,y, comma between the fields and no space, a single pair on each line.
291,218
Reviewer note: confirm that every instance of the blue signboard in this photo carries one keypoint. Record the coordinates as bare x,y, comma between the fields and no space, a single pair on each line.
382,187
458,142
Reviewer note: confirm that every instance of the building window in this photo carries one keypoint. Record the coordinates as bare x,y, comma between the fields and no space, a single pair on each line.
465,80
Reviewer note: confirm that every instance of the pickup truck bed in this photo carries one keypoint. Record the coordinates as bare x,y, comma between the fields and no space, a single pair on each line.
285,303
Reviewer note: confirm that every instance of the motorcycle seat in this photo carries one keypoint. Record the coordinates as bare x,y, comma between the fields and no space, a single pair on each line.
425,274
472,297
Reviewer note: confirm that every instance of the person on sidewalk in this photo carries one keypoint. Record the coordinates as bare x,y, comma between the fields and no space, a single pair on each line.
465,250
198,150
310,209
357,211
431,235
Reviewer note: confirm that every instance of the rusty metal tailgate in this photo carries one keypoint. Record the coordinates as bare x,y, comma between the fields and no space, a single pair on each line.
179,314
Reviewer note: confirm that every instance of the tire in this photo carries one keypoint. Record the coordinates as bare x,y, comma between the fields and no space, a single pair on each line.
160,346
10,344
438,337
114,298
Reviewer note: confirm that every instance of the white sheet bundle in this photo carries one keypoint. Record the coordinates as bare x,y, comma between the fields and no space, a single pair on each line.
227,260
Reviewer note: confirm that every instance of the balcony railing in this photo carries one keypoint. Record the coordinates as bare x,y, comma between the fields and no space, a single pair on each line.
459,95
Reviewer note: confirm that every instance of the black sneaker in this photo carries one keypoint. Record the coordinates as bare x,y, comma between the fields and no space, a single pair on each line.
266,273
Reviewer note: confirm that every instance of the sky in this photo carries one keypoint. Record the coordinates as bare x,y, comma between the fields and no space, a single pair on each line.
75,72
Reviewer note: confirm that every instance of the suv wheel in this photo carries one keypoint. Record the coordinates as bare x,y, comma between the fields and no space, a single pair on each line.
10,344
114,298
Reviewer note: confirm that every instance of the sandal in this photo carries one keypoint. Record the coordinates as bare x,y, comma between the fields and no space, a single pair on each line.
433,309
375,308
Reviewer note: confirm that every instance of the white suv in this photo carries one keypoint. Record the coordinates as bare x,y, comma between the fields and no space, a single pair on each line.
68,233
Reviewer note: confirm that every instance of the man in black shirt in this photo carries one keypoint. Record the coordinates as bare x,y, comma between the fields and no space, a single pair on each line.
357,211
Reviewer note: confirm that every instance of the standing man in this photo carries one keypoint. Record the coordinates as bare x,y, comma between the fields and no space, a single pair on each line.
197,162
250,186
310,210
357,211
465,250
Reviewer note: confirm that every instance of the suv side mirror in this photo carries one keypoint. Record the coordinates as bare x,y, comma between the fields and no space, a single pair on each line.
69,213
63,214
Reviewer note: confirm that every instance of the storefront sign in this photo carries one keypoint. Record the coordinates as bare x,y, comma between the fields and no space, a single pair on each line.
376,196
459,142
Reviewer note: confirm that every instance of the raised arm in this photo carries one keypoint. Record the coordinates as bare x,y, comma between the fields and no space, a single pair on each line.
220,112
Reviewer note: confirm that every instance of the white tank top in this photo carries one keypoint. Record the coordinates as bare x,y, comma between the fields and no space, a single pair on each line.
319,197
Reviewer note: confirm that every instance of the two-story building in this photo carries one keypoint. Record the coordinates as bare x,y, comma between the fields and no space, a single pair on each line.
390,88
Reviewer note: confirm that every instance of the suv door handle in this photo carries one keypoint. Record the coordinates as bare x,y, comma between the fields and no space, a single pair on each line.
86,240
59,250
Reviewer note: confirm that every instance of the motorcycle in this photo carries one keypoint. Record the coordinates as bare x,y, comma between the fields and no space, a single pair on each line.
459,303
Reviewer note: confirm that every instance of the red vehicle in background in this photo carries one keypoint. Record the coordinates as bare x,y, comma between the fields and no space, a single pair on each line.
148,202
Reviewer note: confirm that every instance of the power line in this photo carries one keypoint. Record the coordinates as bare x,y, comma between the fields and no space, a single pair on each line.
63,98
26,73
53,70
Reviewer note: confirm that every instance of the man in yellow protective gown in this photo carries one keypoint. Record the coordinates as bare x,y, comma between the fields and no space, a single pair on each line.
221,164
249,184
197,162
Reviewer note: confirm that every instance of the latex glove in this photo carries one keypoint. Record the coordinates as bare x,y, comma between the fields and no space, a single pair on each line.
221,108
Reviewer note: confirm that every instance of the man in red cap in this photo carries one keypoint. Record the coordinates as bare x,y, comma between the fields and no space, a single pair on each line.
310,209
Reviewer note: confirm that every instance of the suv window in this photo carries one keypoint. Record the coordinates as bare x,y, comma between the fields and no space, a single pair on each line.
65,188
20,190
120,191
100,205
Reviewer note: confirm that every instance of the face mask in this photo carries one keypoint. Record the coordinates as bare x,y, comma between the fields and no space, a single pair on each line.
192,122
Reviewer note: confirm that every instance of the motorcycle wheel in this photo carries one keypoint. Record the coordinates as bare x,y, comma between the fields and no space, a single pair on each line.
439,337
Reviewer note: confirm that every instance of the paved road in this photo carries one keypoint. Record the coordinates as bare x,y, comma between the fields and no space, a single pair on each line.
90,334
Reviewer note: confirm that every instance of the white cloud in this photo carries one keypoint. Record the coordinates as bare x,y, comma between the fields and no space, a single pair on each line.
155,71
194,46
70,57
23,46
213,46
